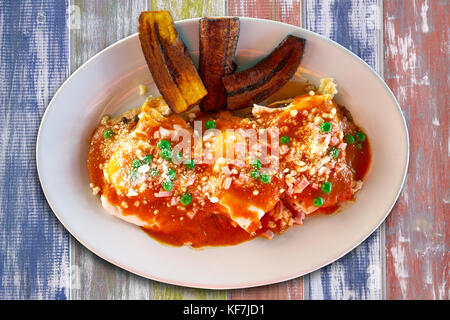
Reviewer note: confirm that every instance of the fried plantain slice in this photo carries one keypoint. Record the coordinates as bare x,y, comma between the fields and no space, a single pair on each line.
167,58
260,81
218,42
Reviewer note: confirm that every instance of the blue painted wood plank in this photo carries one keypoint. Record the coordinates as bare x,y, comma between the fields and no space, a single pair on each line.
34,61
356,26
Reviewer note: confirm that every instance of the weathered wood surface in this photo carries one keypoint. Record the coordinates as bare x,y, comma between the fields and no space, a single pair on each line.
35,60
356,26
416,38
34,246
287,11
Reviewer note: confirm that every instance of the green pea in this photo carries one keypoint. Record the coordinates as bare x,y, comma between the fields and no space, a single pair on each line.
210,124
147,159
359,146
136,164
350,139
185,199
326,187
166,154
256,163
326,127
167,185
334,152
318,202
285,139
255,174
153,172
190,164
265,178
360,136
108,133
171,174
164,145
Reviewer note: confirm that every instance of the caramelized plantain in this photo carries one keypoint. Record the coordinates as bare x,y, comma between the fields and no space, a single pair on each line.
218,42
267,76
167,58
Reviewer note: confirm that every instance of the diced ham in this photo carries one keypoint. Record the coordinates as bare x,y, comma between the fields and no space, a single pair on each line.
301,185
190,214
334,141
227,183
221,179
190,181
226,170
300,208
174,201
357,186
268,234
284,149
299,217
164,132
342,146
243,178
163,194
290,191
156,135
315,186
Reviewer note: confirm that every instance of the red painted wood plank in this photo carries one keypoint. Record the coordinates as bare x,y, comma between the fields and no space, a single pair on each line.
288,11
416,69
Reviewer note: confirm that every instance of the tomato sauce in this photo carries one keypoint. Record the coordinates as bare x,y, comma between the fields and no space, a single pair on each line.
212,223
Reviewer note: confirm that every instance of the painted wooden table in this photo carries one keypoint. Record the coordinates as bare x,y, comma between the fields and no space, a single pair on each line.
407,42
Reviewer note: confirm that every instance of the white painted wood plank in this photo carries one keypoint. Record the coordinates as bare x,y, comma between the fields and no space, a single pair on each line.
101,24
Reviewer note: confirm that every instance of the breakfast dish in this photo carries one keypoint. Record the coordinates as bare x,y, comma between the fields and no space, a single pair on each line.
230,170
63,146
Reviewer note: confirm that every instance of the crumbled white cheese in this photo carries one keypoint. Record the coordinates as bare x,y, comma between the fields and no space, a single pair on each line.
143,169
213,199
131,193
328,87
95,190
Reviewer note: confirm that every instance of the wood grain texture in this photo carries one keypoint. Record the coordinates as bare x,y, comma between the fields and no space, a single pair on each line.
185,9
34,247
416,37
101,24
288,12
356,26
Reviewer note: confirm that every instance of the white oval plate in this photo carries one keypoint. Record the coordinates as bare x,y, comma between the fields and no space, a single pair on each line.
108,83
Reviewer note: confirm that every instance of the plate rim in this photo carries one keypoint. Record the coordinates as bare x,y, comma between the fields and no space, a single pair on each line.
241,286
